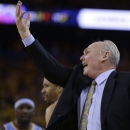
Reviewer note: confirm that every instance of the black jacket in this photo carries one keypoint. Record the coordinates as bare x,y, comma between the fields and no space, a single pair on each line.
115,104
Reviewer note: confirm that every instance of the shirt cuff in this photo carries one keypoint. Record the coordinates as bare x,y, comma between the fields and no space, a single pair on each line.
28,40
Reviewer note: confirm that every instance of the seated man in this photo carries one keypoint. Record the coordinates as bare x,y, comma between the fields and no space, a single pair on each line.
24,110
51,93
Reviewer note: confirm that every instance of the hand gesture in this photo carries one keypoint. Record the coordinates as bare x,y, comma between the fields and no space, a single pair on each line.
22,24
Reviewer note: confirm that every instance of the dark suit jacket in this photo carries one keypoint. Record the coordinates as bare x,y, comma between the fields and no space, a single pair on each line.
115,104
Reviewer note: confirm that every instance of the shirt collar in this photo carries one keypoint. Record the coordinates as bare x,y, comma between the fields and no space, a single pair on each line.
102,77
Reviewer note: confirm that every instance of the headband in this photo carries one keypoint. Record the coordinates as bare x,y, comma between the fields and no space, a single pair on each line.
24,101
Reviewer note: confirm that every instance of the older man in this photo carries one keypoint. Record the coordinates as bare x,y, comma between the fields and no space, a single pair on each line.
104,105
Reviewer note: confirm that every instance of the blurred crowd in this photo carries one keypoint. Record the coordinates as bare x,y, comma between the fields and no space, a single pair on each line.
20,78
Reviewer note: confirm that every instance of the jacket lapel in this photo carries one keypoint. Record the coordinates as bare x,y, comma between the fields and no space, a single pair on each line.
107,96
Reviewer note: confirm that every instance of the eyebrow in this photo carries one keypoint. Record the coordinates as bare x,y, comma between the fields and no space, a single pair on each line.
45,84
86,49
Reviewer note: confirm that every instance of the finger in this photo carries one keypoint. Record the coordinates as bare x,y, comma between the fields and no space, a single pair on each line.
28,17
21,15
18,8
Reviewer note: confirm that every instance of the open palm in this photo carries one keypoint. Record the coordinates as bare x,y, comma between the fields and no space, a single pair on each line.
22,24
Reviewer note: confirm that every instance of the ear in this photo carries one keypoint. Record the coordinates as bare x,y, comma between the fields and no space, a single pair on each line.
60,89
105,56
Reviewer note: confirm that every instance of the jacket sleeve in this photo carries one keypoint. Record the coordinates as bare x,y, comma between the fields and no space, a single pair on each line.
53,70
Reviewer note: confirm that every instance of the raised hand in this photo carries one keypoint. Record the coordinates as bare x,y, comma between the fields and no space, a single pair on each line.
22,24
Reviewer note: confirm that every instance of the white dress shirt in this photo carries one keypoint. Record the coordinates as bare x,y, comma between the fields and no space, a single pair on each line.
94,119
28,40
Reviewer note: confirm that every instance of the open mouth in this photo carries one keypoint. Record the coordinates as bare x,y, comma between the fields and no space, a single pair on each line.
44,97
85,65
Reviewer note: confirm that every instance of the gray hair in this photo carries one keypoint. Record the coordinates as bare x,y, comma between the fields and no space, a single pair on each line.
114,52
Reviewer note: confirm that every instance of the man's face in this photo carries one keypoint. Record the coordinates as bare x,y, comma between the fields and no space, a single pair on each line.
24,113
50,92
92,60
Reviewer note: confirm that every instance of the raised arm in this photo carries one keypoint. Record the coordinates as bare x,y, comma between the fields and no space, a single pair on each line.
53,70
47,64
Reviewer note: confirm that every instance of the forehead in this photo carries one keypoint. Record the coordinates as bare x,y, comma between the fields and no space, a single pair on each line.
94,45
45,81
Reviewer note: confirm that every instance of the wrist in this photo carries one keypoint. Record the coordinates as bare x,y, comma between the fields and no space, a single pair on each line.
24,34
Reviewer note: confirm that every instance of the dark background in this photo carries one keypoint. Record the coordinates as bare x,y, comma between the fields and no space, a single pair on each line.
104,4
18,75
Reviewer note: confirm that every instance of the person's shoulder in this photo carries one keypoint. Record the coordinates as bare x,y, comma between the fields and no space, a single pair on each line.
6,125
49,111
37,127
123,73
51,107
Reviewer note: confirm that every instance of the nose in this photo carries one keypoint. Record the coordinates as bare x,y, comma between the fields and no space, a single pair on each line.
25,110
82,58
43,90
